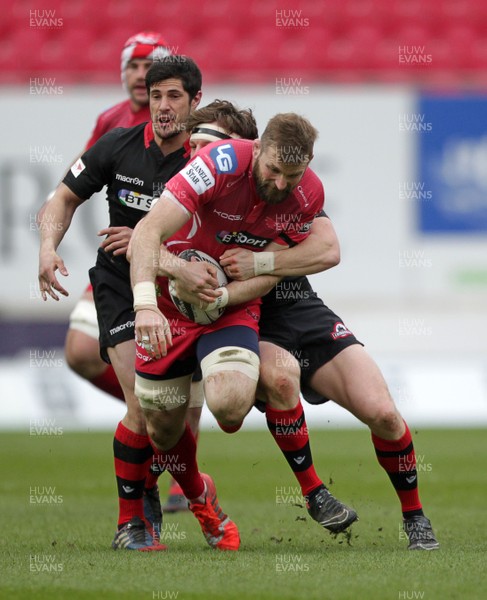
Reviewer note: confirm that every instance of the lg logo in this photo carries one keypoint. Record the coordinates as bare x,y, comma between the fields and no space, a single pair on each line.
224,158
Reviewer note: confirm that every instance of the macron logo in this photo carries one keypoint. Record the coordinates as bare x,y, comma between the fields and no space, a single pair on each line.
127,489
299,460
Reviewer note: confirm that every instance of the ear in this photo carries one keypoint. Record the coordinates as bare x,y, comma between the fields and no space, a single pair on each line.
256,147
196,100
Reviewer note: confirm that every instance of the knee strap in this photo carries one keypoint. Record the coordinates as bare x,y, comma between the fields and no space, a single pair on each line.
162,394
231,358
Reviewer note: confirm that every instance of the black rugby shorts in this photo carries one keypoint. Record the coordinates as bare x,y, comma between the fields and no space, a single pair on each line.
114,308
310,331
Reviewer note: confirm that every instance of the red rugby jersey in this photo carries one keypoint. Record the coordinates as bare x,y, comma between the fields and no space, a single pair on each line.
217,188
120,115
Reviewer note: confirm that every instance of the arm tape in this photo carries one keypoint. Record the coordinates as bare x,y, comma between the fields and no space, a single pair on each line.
144,294
263,263
221,301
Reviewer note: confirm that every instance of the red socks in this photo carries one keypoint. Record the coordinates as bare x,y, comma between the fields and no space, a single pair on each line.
288,427
133,455
399,461
180,461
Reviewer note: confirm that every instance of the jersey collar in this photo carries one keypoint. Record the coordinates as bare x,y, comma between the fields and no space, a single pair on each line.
149,137
148,134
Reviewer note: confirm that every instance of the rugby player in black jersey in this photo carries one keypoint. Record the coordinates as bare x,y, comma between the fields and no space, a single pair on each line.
334,365
135,164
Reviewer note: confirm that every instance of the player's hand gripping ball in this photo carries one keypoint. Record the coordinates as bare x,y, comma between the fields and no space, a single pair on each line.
191,311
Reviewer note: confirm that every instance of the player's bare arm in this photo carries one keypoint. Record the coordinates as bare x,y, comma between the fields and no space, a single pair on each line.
165,218
318,252
54,220
238,291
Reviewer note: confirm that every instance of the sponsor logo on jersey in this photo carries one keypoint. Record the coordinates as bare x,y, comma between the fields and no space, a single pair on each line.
300,191
126,179
135,200
224,158
242,238
340,331
228,216
199,176
78,167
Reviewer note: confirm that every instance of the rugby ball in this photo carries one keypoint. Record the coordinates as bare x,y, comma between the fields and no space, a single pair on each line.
191,311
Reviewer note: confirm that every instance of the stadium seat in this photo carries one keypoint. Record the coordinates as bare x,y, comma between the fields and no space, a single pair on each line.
350,40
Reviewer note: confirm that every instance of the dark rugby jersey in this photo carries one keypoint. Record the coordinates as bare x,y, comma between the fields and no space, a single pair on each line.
131,165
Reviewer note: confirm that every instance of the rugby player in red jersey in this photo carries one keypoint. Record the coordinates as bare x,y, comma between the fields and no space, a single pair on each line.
329,354
258,188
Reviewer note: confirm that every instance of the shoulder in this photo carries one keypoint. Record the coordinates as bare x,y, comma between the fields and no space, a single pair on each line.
309,188
124,134
114,113
117,142
228,157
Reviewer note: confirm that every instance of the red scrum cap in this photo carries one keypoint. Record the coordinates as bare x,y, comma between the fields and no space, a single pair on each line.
146,44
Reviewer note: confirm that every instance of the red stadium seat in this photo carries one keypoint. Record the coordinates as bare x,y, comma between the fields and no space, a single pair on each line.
256,40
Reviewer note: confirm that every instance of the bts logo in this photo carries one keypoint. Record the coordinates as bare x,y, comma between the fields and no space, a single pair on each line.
224,158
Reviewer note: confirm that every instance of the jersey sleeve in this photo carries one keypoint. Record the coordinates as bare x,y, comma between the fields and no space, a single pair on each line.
93,169
194,185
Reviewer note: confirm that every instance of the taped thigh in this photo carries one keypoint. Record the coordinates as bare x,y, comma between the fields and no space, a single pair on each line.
231,358
197,395
162,394
83,318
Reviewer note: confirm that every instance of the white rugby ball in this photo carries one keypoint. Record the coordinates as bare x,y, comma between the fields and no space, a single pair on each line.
191,311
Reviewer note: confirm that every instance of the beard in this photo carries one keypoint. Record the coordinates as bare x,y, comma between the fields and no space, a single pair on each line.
266,190
167,134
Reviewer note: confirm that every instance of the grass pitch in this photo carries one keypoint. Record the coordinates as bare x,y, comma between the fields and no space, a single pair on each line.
58,514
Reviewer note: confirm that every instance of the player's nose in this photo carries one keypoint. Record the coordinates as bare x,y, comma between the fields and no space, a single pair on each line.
164,105
280,182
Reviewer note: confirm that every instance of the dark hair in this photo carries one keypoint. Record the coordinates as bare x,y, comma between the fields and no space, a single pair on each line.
177,66
226,115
